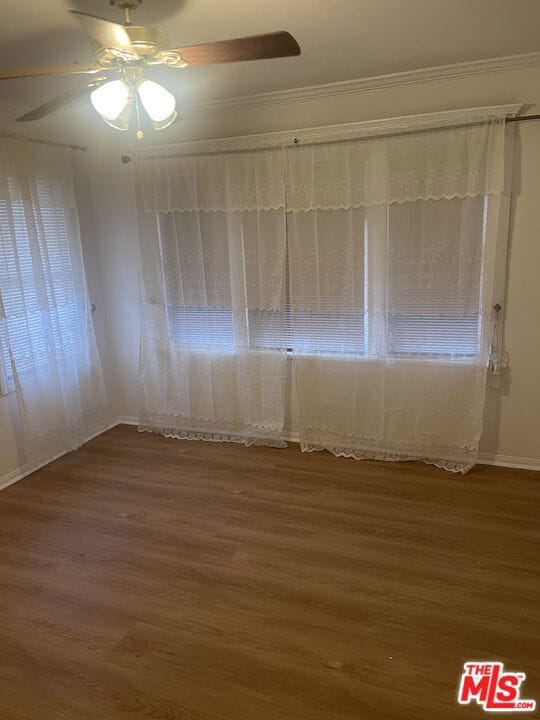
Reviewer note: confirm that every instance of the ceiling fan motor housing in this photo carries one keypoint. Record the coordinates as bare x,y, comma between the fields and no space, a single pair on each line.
149,43
126,4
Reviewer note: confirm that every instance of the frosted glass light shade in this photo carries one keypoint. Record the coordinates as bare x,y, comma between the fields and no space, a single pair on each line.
111,99
158,102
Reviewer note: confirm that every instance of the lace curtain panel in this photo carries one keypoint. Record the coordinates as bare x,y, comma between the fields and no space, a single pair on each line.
407,380
210,273
378,283
49,356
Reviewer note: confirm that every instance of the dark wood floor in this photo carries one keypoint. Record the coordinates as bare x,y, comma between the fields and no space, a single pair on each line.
149,578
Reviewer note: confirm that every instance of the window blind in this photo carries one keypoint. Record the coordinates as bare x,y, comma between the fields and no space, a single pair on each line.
27,288
202,325
434,276
326,281
428,276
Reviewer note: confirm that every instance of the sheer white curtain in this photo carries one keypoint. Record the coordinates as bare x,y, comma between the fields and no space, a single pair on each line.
369,259
388,243
49,356
212,280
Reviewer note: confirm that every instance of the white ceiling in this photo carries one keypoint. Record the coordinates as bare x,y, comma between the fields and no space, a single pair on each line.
340,40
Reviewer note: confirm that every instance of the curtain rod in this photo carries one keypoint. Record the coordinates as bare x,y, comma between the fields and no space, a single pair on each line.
522,118
17,136
296,140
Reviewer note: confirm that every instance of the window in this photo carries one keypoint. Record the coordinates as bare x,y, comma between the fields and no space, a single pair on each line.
203,257
326,280
434,276
400,280
28,289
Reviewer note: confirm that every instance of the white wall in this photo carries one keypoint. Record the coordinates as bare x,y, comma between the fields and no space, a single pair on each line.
116,242
512,418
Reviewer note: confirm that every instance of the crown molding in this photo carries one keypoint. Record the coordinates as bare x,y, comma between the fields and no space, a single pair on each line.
372,84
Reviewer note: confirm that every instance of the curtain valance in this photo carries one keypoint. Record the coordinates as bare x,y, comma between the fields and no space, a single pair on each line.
248,180
409,165
418,160
37,168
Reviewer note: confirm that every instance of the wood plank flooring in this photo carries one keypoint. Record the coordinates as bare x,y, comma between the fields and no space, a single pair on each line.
157,579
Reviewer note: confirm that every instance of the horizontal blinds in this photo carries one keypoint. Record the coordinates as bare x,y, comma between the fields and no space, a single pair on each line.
31,231
202,326
268,330
412,289
328,332
227,328
433,335
326,281
434,277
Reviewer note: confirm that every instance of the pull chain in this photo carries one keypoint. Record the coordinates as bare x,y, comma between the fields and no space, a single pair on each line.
139,133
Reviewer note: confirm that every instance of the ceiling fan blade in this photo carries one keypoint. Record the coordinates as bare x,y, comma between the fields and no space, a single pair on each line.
255,47
110,34
13,73
60,101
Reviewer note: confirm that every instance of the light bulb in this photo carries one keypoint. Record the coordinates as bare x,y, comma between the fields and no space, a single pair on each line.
111,99
158,102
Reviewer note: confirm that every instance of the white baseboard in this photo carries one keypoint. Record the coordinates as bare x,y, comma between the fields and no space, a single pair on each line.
483,458
14,476
21,472
519,463
291,437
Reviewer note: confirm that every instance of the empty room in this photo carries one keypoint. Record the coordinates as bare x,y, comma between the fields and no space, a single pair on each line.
269,359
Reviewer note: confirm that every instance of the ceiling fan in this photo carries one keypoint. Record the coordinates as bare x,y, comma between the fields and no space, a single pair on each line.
118,85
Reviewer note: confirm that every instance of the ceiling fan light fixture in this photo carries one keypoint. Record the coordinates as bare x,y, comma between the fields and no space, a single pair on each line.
122,121
126,51
158,102
111,101
162,124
